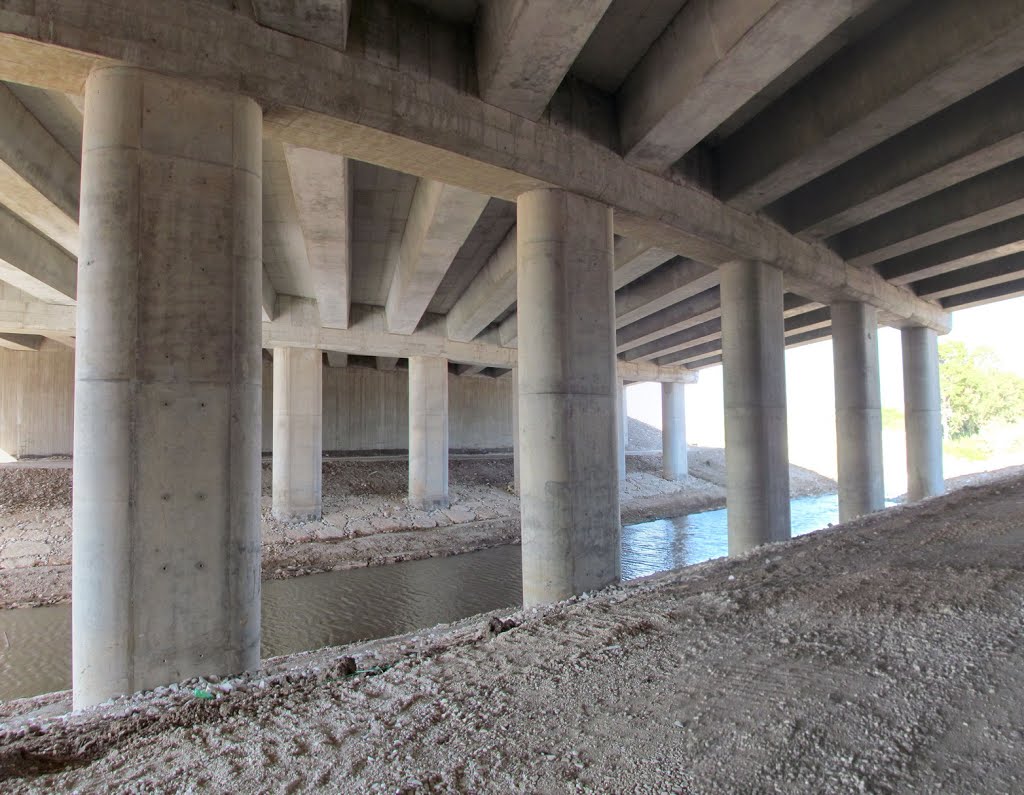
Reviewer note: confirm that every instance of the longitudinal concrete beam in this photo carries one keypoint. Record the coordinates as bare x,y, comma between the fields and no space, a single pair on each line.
976,277
980,133
284,246
35,317
336,359
986,295
39,179
488,296
441,132
524,49
990,242
21,342
268,298
322,187
635,258
671,283
691,312
924,59
33,263
321,21
713,58
986,199
440,220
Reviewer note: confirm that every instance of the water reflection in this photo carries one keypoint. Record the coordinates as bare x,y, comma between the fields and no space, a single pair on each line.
343,607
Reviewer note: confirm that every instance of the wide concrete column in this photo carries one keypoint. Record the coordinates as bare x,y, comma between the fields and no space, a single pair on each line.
298,434
673,431
754,362
567,395
428,432
166,541
622,417
858,409
923,409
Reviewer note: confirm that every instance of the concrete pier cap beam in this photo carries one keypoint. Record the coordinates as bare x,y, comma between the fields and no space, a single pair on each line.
569,493
754,365
858,409
923,408
428,432
297,466
166,537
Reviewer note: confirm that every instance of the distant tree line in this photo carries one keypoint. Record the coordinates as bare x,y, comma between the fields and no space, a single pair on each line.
975,392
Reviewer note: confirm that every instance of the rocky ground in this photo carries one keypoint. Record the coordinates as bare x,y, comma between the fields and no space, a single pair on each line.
366,519
884,655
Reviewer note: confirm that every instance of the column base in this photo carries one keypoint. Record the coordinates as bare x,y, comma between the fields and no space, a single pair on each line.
429,503
297,515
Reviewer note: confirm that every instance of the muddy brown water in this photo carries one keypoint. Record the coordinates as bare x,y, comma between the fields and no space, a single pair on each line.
342,607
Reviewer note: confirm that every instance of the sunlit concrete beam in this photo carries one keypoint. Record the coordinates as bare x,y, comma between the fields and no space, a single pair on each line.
671,283
322,186
924,59
284,246
524,49
33,263
39,179
712,59
635,258
441,218
488,296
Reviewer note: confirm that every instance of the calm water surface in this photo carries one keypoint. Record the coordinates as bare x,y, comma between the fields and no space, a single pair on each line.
345,606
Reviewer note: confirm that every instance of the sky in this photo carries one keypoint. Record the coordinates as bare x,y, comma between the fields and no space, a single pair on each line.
809,386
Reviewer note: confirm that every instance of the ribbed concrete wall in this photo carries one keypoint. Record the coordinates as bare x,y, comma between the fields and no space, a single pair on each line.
363,409
36,403
368,409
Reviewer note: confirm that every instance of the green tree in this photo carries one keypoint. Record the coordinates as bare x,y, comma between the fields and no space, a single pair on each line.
975,392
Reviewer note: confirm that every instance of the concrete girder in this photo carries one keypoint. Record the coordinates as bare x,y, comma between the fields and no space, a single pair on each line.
21,342
35,317
990,242
39,179
986,295
34,264
346,103
508,331
268,298
441,218
793,340
524,49
977,134
284,246
661,288
469,369
336,359
815,318
58,113
635,258
322,189
712,59
981,201
926,58
976,277
321,21
691,312
488,296
387,363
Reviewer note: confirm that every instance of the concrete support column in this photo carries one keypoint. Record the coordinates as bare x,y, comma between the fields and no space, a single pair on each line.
858,409
622,416
515,428
754,361
298,434
567,396
428,432
166,541
923,408
673,431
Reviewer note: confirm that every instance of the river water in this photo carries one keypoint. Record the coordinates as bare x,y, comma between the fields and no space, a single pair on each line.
346,606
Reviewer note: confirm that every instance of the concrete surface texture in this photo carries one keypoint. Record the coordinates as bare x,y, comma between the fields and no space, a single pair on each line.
923,413
755,405
428,432
858,409
298,434
568,425
167,393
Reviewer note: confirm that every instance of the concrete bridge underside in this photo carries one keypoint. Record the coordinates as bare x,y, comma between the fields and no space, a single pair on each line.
569,197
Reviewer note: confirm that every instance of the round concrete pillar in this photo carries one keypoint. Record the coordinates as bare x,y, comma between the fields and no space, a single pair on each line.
673,431
858,409
754,362
166,541
428,432
923,409
298,434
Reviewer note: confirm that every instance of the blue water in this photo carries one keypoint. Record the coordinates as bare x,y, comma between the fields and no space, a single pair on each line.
342,607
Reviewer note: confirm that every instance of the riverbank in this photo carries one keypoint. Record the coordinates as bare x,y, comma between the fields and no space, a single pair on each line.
882,655
366,519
